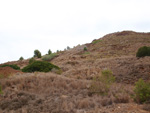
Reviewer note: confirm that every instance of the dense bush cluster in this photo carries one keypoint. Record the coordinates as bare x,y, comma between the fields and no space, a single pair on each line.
142,91
14,66
143,51
49,57
40,66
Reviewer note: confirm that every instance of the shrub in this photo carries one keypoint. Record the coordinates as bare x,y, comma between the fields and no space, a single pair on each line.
31,60
37,54
49,57
49,52
21,58
85,49
143,51
14,66
1,90
101,83
142,91
40,66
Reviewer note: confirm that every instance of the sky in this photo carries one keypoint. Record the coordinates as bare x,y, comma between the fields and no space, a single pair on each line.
27,25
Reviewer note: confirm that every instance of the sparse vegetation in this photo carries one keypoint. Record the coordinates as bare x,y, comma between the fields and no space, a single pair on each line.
37,54
143,51
101,83
1,76
96,41
40,66
14,66
49,57
21,58
142,91
1,90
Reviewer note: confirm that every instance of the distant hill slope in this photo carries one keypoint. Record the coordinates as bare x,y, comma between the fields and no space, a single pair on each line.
115,51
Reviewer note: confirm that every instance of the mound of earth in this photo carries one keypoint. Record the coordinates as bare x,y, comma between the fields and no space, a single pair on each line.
8,71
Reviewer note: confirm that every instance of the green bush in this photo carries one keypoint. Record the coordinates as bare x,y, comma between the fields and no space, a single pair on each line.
143,51
21,58
14,66
49,57
40,66
101,83
142,91
31,60
37,54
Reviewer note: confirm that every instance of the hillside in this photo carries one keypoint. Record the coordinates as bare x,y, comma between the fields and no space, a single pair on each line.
114,51
69,92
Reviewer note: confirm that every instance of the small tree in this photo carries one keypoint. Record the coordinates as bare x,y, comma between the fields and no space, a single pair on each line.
21,58
68,48
143,51
49,52
37,53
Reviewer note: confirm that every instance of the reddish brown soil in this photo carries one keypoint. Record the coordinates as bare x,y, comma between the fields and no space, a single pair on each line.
7,71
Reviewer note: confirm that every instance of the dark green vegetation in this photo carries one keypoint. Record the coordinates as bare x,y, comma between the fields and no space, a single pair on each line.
143,51
14,66
142,91
40,66
21,58
37,54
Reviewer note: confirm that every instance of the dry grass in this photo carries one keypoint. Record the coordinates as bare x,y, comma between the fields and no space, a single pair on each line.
146,107
43,92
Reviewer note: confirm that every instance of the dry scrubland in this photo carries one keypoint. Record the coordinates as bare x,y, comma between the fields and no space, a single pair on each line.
70,92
